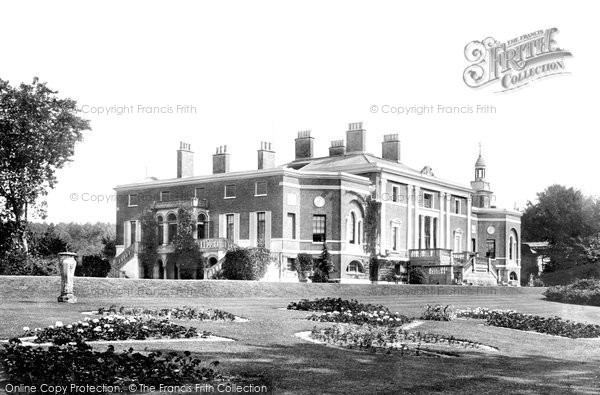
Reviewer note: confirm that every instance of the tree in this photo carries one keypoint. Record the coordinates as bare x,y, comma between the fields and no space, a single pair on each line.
38,132
50,243
323,266
303,264
147,253
187,251
372,229
569,221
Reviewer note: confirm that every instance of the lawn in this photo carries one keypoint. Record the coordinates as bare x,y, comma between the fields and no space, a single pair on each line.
526,362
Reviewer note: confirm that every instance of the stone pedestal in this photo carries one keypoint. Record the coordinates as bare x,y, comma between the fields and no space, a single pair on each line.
67,274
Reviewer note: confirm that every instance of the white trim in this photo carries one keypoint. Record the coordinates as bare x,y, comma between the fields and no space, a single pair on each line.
325,187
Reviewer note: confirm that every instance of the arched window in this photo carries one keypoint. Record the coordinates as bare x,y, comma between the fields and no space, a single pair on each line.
172,227
202,226
352,228
161,230
513,276
511,248
355,266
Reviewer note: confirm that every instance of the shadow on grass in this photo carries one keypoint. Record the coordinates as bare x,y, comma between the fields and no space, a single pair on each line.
313,368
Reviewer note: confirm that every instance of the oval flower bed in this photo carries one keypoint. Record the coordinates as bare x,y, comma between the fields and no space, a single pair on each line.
333,304
529,322
112,327
180,313
378,318
388,338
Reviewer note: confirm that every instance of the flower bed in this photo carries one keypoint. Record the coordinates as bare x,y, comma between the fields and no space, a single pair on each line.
550,325
180,313
386,338
334,304
438,313
378,318
78,365
480,313
529,322
112,327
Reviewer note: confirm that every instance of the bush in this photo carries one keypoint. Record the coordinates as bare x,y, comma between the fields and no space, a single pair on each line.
416,275
19,263
438,313
78,364
304,263
93,266
360,317
246,263
586,292
333,304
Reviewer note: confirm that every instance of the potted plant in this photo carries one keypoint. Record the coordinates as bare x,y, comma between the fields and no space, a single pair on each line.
304,265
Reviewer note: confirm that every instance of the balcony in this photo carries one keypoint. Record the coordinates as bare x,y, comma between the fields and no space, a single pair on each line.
215,244
433,256
187,203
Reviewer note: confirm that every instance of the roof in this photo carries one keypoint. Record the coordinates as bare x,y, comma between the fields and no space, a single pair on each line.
480,161
362,162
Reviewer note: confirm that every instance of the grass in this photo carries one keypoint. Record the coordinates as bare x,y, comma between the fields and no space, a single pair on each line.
526,362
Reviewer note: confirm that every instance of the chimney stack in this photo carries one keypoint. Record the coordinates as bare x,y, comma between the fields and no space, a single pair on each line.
304,145
337,148
185,160
221,160
356,138
390,147
266,156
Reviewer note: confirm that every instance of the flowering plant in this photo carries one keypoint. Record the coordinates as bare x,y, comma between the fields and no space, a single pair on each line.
185,312
111,327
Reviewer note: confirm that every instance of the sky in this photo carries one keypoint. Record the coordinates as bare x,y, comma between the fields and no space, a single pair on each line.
264,70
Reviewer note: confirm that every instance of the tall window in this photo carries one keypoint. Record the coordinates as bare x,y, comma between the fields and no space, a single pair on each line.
292,224
165,196
394,238
427,200
420,231
456,206
490,246
132,233
395,194
229,191
260,227
352,228
473,245
200,193
172,227
161,230
260,188
229,226
319,227
202,226
291,264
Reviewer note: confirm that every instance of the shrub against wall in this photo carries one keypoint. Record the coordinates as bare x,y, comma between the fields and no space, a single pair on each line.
586,292
19,263
416,275
245,263
93,266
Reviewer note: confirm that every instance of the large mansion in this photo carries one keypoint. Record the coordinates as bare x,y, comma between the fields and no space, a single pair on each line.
451,230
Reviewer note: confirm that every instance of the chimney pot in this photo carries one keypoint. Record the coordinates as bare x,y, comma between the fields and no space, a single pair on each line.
304,145
337,148
185,160
390,147
266,157
356,137
221,160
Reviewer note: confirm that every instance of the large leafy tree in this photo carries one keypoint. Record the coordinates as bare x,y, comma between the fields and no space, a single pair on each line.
38,132
569,221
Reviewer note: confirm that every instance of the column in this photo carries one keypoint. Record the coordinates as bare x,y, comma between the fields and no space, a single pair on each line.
165,233
441,243
383,238
469,222
448,233
409,230
416,217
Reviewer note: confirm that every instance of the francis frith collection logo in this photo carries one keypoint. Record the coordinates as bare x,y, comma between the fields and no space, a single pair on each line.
514,63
